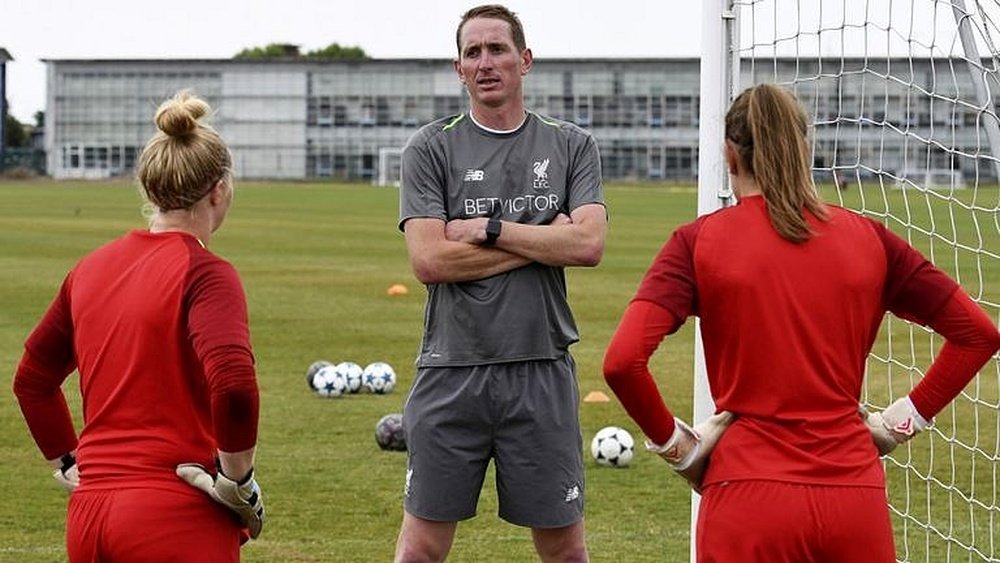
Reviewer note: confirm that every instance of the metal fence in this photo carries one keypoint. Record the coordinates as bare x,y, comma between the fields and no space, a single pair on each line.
28,159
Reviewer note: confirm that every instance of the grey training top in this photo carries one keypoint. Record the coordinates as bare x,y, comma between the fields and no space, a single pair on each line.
455,169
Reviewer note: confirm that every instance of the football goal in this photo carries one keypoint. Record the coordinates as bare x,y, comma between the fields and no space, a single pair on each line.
931,179
389,161
901,94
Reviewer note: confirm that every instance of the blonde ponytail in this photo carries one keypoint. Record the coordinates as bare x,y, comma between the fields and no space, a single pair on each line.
770,130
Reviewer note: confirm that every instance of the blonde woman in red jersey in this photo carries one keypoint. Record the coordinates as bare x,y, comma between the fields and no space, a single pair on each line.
157,327
790,293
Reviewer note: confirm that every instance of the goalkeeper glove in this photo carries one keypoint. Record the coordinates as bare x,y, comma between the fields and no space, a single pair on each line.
242,497
899,422
688,449
68,475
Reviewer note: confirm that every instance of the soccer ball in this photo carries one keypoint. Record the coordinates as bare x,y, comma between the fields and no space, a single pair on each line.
379,377
313,370
389,432
329,382
612,446
352,374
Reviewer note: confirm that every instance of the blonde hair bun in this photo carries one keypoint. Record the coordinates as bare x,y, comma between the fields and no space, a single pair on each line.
178,116
183,160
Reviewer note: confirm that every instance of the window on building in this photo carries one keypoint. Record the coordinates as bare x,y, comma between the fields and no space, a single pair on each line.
368,161
680,111
447,105
324,112
89,157
599,112
679,163
613,113
131,153
339,115
618,83
411,115
367,118
849,107
71,157
654,168
324,165
582,116
382,113
876,109
655,118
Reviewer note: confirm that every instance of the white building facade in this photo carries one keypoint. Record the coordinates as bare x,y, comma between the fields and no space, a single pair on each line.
292,119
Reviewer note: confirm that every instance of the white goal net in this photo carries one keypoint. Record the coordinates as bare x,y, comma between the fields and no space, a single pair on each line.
903,96
389,161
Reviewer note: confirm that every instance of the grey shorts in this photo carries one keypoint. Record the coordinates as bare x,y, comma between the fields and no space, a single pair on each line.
522,415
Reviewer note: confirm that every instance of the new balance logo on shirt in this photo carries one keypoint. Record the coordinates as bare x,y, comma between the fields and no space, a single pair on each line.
540,169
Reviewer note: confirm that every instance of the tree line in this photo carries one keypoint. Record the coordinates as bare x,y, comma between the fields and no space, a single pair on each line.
17,134
287,50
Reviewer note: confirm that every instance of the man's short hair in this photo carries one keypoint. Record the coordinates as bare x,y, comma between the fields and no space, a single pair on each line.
495,11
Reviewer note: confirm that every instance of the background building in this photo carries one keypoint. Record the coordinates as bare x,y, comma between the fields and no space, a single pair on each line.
305,119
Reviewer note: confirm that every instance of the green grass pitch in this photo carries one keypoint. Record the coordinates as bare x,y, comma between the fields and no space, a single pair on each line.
316,260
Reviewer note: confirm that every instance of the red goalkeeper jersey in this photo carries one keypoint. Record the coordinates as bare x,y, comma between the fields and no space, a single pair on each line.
786,330
157,327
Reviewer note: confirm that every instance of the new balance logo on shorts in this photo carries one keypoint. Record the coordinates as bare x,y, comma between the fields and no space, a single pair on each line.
572,493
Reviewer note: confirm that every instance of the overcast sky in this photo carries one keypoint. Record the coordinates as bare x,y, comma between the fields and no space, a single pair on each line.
116,29
32,30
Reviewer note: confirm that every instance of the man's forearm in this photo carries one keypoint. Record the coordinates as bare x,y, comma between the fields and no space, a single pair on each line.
554,245
459,262
565,241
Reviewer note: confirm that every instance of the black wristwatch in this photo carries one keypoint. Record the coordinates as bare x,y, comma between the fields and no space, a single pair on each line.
67,461
492,231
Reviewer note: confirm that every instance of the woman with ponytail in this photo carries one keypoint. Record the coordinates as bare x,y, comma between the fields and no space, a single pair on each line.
790,292
156,325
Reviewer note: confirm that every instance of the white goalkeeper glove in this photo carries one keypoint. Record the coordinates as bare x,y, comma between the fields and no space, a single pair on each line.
688,449
68,474
242,497
899,422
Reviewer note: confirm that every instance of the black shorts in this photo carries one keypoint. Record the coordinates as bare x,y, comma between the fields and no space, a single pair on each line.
523,415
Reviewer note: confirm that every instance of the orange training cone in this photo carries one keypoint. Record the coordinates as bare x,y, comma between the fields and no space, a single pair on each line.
596,397
397,289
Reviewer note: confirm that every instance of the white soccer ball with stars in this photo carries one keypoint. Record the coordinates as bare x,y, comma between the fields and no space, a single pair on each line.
313,370
612,446
352,374
379,378
329,382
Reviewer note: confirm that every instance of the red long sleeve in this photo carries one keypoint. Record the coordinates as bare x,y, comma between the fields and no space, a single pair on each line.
626,367
970,340
219,330
47,361
235,398
45,410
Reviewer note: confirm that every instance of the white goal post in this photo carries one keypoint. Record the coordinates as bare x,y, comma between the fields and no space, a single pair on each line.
902,94
389,161
931,179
